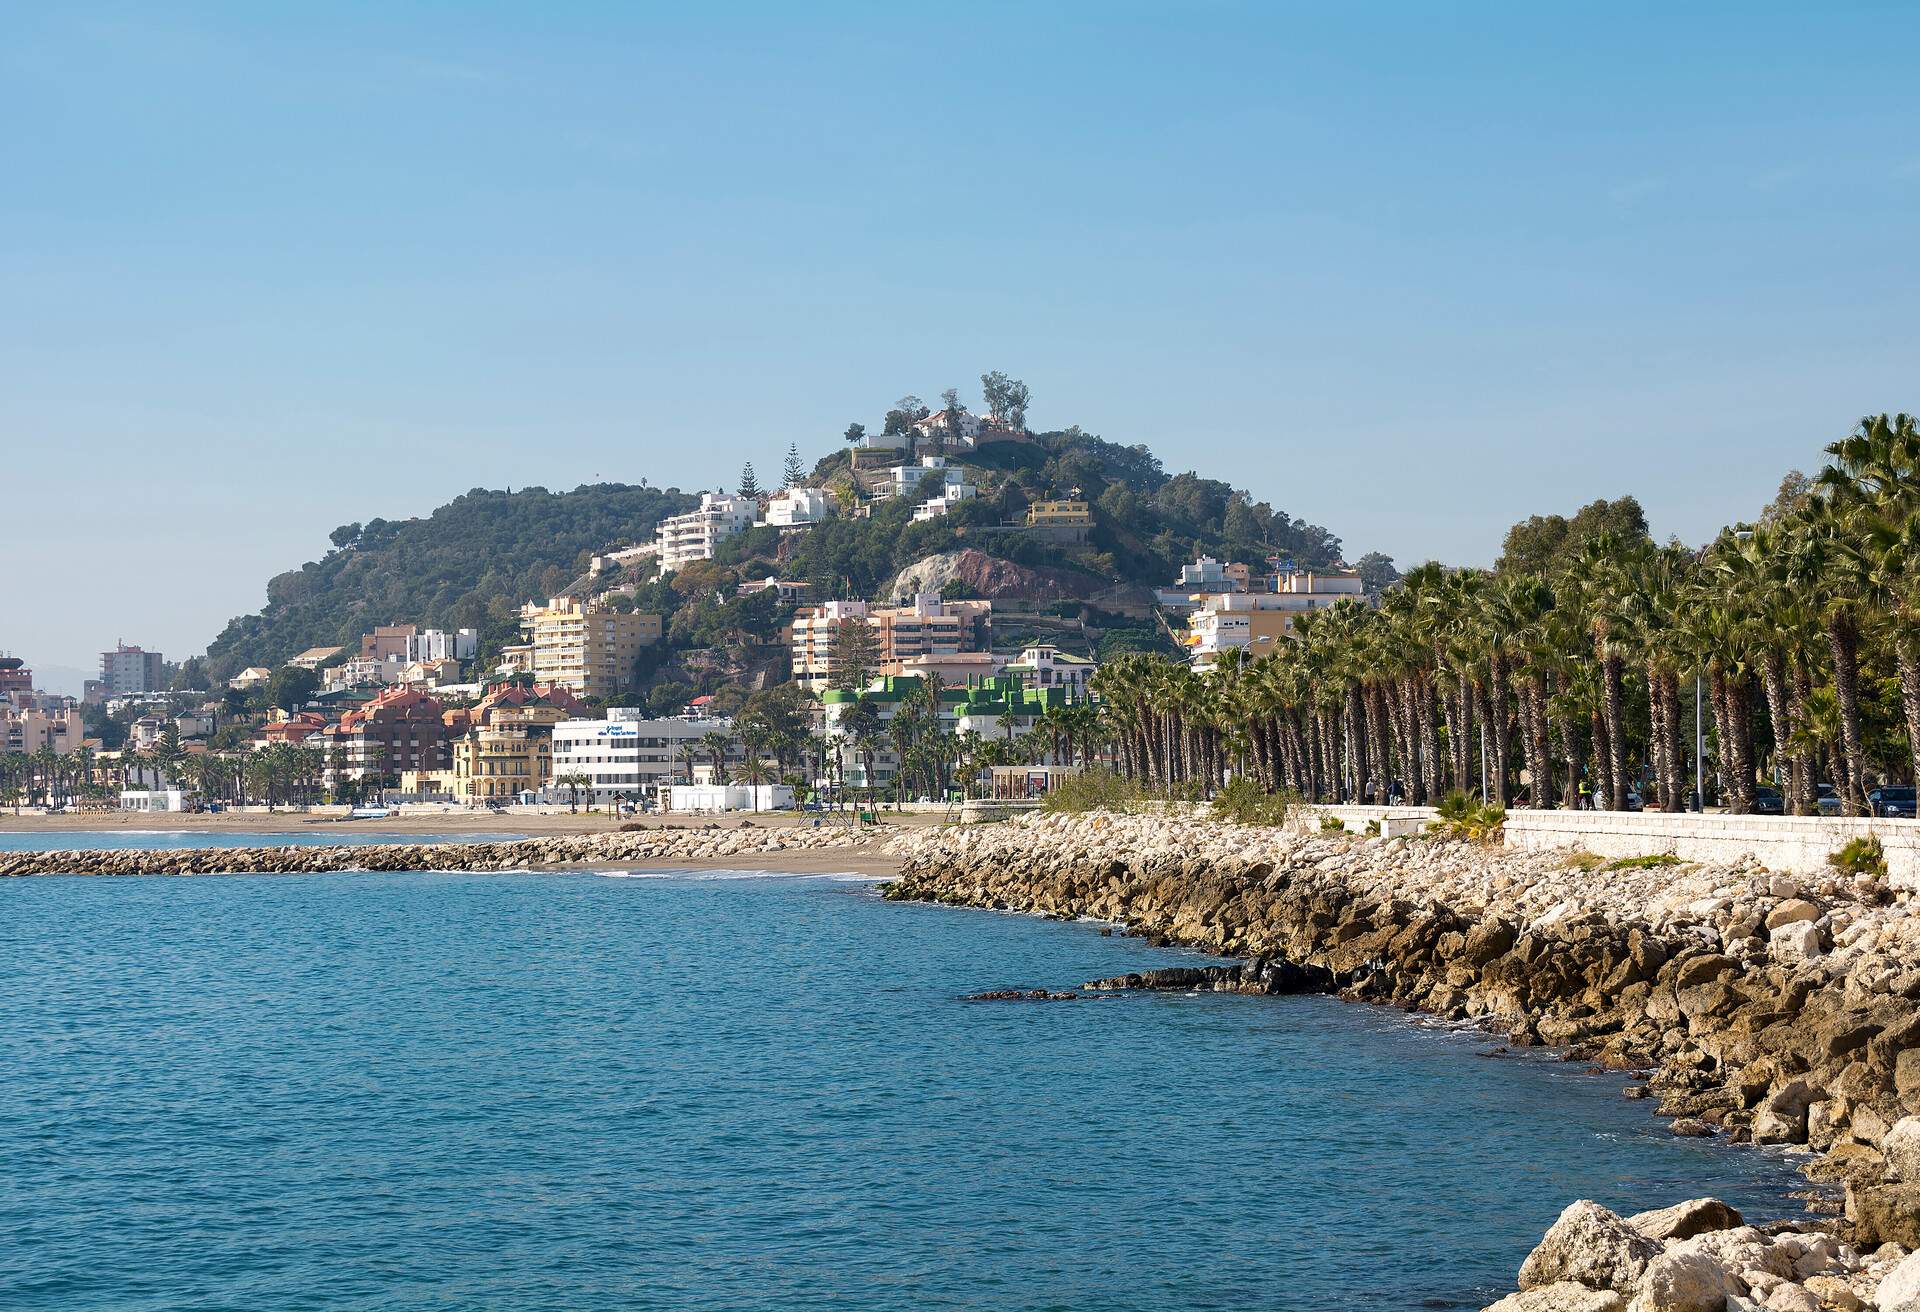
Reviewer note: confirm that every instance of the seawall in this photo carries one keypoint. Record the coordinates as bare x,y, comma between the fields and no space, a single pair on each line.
1771,1008
648,847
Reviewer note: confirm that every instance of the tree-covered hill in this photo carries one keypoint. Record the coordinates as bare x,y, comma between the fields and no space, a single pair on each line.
1146,522
471,563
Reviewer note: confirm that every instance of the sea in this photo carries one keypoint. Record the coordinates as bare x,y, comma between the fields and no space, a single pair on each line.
670,1090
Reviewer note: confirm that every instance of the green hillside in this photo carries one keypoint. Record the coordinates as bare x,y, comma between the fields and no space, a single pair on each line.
471,563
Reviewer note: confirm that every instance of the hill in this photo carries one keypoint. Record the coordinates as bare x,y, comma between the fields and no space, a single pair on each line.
471,563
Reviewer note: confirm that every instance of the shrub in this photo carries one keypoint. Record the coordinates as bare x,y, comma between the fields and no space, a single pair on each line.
1585,860
1462,817
1373,829
1244,802
1092,790
1861,856
1653,861
1332,824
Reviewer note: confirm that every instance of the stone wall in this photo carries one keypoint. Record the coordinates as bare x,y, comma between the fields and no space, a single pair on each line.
1798,845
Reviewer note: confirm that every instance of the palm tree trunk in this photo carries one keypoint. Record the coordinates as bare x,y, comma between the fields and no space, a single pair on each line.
1673,781
1499,724
1906,653
1805,781
1602,763
1773,679
1429,741
1613,700
1843,638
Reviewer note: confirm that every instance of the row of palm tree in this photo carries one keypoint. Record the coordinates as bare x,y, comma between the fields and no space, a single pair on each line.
1571,687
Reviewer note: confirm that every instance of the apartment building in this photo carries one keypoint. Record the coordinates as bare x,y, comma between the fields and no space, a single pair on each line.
630,754
1258,621
924,626
399,730
26,731
586,647
497,762
797,507
126,670
686,538
439,645
1060,521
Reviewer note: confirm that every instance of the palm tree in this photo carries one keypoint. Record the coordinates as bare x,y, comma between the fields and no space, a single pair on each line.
715,743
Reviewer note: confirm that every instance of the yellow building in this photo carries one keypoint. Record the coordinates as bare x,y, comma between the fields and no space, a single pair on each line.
1060,521
588,648
494,762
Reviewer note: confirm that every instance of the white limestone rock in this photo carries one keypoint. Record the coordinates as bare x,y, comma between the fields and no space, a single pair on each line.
1592,1246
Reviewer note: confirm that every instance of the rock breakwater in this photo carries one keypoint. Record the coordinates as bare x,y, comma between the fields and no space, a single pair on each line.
664,846
1768,1009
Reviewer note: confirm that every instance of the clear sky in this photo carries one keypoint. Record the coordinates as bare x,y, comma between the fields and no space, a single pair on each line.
1410,271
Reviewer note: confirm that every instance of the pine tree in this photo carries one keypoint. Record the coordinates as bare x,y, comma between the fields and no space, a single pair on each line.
793,473
749,485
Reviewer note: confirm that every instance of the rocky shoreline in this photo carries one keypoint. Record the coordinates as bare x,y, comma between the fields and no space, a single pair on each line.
1763,1009
659,846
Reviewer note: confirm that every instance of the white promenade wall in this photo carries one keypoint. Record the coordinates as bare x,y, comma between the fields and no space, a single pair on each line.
1793,845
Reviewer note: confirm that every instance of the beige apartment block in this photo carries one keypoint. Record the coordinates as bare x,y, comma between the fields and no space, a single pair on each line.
586,648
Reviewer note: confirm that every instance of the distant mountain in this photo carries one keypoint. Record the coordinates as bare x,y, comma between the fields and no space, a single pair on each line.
471,563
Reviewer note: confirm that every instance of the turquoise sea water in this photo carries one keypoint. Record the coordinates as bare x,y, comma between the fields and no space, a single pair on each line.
375,1091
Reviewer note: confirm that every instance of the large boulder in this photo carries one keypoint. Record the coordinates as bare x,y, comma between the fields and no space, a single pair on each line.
1900,1285
1885,1213
1696,1216
1590,1246
1901,1148
1566,1296
1687,1282
1799,939
1791,912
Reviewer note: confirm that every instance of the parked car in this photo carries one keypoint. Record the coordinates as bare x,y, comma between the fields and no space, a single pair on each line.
1633,799
1828,801
1768,801
1892,801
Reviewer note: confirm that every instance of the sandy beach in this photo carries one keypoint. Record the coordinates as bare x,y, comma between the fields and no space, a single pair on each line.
467,824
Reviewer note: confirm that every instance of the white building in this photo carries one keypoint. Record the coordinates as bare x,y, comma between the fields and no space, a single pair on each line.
1046,666
730,797
439,645
686,538
906,480
630,755
797,507
1260,621
960,427
153,799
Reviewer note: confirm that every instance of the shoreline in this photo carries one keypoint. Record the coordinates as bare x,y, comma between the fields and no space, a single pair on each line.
527,824
1767,1010
796,849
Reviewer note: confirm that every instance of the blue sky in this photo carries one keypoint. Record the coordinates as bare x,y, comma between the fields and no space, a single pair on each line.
1409,271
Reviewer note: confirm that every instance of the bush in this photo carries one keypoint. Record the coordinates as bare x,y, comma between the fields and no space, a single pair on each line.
1861,856
1093,790
1585,860
1654,861
1244,802
1462,817
1332,824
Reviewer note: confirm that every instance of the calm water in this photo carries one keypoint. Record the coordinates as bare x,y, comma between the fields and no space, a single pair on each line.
555,1092
318,836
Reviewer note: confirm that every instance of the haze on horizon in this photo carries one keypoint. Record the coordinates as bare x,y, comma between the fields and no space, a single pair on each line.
1410,274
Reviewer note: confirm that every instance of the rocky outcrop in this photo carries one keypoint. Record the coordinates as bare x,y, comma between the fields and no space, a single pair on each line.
651,846
993,577
1763,1008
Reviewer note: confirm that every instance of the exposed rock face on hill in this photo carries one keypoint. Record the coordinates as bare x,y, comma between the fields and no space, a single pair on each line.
1766,1009
992,577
